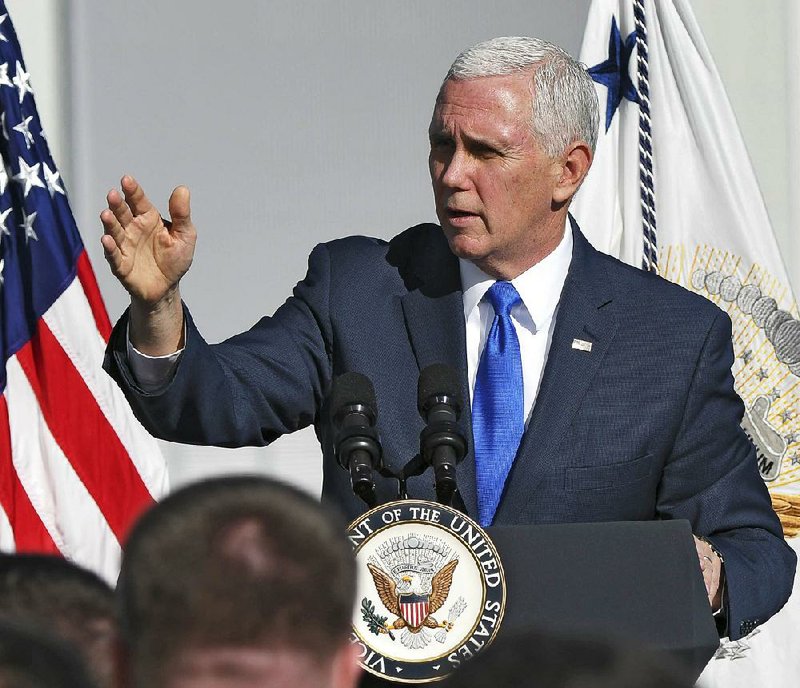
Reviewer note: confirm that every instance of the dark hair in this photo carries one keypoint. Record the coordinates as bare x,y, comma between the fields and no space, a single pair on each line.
53,594
536,659
235,561
30,658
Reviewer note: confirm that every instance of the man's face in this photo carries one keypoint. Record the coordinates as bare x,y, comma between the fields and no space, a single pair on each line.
492,183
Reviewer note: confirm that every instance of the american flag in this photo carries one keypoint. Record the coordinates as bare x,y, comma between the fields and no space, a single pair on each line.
75,466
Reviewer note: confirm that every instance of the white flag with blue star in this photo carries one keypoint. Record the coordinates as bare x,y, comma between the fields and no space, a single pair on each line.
672,190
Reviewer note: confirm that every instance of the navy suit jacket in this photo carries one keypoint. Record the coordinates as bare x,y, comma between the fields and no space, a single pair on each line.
643,426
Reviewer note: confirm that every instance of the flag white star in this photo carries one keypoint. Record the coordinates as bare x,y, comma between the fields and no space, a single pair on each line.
2,35
29,176
24,128
3,177
3,217
22,80
52,179
27,225
4,80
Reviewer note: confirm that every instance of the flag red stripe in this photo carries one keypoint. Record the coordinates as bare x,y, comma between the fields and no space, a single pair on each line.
92,291
83,432
30,535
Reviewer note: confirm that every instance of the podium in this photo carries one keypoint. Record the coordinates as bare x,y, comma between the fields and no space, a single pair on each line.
629,581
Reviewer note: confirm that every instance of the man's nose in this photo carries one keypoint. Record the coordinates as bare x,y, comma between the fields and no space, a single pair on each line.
457,171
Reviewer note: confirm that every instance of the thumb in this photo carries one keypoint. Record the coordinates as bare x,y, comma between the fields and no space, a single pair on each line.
179,211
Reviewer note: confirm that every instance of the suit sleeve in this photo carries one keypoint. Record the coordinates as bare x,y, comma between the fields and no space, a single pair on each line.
250,389
712,479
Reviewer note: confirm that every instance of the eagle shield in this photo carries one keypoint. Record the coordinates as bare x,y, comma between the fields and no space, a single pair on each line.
414,609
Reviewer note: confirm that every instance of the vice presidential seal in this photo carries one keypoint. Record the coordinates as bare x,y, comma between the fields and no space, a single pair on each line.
431,590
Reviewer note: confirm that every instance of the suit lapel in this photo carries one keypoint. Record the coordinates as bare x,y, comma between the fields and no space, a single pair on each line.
434,315
568,372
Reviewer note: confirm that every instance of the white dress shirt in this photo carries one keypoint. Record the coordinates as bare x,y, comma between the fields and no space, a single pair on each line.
151,372
539,288
534,317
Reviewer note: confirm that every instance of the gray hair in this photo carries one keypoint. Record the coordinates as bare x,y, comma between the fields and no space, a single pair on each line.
565,106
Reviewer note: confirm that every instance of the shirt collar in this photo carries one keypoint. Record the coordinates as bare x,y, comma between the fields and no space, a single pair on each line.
539,286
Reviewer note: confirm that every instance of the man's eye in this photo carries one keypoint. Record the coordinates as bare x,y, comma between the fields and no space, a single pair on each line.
441,144
485,152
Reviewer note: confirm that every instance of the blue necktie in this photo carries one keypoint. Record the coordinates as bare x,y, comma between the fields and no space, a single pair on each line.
498,402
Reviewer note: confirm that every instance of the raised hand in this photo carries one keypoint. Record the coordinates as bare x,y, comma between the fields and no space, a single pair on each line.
149,255
146,254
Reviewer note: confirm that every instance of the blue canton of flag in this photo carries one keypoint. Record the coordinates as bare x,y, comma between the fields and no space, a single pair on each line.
75,467
39,242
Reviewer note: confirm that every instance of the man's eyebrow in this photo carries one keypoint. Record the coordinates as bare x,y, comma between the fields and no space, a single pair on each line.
439,134
443,134
482,142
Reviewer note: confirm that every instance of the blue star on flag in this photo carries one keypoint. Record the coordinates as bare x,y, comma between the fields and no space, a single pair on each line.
613,71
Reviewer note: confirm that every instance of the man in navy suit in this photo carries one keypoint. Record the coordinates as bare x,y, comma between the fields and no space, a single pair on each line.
621,382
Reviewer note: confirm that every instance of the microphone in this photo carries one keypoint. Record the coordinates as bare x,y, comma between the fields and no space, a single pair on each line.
357,447
442,444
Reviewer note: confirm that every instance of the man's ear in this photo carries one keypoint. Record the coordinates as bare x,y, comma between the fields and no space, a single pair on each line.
575,163
346,670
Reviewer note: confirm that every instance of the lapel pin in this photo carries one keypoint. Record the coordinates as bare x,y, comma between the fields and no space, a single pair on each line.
581,345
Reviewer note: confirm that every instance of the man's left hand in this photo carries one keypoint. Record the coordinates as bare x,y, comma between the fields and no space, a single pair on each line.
711,566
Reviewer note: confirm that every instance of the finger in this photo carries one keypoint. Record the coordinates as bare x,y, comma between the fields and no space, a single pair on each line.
112,227
179,209
109,245
134,195
706,557
112,253
716,575
708,581
118,206
704,551
703,558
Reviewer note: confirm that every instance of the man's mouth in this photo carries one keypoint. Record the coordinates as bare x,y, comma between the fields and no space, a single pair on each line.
456,214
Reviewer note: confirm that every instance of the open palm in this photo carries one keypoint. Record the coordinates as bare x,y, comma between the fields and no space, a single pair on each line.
146,253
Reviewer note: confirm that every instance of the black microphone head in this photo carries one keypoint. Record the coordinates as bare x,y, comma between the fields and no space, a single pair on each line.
438,382
352,389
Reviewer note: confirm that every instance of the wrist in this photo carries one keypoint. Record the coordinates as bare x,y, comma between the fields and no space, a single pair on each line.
156,328
165,302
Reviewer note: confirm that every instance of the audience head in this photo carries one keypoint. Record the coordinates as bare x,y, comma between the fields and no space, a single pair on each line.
538,660
238,581
55,595
31,658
